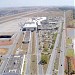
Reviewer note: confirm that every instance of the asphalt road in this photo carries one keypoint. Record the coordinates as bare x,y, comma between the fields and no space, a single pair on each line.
63,49
62,57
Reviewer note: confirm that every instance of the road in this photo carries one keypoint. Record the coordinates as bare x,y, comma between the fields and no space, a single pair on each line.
63,49
54,52
11,49
39,66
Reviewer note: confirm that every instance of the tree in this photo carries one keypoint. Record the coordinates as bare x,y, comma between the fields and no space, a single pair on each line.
52,46
45,49
66,71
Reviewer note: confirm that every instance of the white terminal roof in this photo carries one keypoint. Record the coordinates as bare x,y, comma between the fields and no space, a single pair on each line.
30,24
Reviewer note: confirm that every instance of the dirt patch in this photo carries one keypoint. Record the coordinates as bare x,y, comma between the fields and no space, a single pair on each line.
25,48
3,51
33,43
22,47
73,63
69,65
6,42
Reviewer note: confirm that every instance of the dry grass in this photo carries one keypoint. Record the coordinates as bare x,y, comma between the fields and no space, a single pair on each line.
24,47
3,51
46,44
47,14
18,45
33,65
33,42
70,53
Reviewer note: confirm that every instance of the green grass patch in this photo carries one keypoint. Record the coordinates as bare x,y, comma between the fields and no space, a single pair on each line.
54,36
52,46
45,49
70,53
69,41
44,59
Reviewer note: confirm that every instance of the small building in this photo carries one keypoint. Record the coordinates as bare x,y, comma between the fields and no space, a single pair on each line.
30,26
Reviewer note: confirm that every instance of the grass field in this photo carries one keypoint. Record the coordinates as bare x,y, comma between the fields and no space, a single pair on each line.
72,23
69,41
70,53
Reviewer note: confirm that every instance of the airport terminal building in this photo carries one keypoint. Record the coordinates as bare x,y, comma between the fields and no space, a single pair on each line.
30,26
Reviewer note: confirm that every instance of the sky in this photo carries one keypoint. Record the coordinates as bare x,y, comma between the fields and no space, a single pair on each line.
21,3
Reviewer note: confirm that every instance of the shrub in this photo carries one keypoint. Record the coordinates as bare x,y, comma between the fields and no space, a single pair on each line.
45,49
44,59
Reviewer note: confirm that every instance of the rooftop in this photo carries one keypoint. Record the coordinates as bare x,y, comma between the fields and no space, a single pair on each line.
30,24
